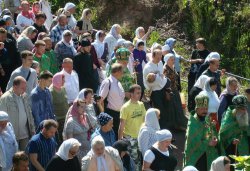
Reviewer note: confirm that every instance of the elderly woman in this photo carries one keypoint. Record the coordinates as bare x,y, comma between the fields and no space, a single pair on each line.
59,101
158,157
176,118
72,9
232,86
106,131
195,90
79,125
65,159
128,162
214,102
65,48
25,18
24,41
84,25
222,163
8,144
101,157
140,34
147,134
112,38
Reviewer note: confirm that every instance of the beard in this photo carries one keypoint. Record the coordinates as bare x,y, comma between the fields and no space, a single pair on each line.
242,119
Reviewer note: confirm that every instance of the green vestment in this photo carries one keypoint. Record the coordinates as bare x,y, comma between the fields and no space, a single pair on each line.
199,134
230,130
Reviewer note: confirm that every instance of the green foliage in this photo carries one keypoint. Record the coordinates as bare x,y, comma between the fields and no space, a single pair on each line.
154,37
242,162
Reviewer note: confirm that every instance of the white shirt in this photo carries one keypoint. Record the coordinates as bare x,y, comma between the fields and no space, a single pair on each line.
116,93
150,157
23,20
160,81
71,85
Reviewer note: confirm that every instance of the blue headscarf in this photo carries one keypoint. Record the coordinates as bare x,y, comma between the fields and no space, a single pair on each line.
170,42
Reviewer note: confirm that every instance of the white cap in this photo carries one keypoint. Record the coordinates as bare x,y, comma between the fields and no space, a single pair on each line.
165,48
163,135
189,168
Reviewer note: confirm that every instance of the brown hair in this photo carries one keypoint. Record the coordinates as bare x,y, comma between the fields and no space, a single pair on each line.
134,87
40,15
20,156
26,53
47,124
116,67
201,41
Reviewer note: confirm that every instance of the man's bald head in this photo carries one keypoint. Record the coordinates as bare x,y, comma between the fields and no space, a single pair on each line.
19,85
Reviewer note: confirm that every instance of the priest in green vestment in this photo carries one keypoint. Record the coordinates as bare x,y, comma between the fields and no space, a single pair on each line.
201,143
235,127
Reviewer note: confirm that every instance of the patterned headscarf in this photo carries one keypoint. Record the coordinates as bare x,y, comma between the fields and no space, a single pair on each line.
104,118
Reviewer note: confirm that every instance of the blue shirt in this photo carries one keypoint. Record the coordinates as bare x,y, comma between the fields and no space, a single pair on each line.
140,56
56,32
44,148
41,105
109,137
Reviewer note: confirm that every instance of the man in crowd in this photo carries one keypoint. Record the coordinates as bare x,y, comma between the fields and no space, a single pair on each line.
235,127
71,80
131,118
8,144
212,71
20,162
56,32
40,57
41,102
15,102
25,71
83,65
112,90
197,58
40,19
201,142
42,146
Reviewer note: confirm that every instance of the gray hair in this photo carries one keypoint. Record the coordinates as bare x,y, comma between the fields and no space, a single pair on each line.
97,140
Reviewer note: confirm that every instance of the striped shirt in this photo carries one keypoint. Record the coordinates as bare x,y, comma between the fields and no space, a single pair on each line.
44,148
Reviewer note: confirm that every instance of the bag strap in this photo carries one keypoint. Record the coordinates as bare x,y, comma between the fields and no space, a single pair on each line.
27,78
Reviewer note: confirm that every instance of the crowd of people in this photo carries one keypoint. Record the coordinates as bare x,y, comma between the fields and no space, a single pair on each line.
75,98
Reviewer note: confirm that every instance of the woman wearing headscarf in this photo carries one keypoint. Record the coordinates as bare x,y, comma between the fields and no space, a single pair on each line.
59,101
195,90
158,156
214,102
65,158
78,126
84,25
222,163
93,105
8,143
25,17
175,114
112,38
71,7
140,34
101,48
101,158
147,134
226,97
106,129
128,162
24,41
65,48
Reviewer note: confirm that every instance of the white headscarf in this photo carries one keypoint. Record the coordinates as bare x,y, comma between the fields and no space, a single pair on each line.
72,21
165,48
167,57
189,168
4,116
218,164
99,46
137,32
113,31
63,151
120,41
71,43
151,120
101,162
228,90
200,83
163,135
81,94
212,55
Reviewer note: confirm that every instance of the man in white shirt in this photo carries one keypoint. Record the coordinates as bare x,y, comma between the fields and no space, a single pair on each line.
112,89
157,97
71,80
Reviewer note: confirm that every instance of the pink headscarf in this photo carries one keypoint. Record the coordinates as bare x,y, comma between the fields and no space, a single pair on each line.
57,80
82,119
